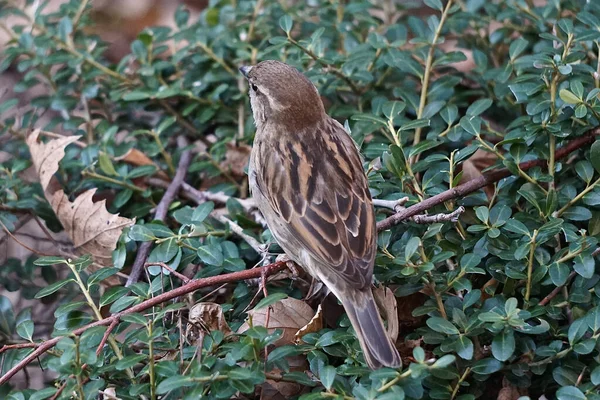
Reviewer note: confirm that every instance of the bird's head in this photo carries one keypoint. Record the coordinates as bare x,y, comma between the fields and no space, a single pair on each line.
280,93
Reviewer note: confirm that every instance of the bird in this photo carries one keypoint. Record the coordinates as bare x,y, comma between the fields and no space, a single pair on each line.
306,176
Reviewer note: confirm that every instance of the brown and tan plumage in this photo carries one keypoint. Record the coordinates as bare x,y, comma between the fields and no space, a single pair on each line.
307,178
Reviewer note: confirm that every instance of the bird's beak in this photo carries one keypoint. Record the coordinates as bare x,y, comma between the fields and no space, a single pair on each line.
245,70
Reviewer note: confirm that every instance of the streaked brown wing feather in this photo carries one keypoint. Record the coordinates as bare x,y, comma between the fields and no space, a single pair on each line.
315,182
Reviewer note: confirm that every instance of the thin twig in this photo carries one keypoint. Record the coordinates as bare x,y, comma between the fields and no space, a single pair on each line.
164,297
39,253
441,217
556,290
182,277
18,225
110,328
161,210
239,231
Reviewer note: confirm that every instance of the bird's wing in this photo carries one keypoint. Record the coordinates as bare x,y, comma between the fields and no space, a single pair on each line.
314,181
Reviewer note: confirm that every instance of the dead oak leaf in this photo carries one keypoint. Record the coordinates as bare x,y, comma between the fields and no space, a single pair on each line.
89,225
288,314
135,157
386,301
204,318
314,325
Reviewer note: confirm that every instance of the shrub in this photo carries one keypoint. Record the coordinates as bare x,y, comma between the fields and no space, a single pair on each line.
503,302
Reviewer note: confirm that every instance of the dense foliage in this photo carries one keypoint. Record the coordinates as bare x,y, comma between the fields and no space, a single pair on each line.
507,299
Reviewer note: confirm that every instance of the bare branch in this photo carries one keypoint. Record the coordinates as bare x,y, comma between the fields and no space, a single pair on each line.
161,210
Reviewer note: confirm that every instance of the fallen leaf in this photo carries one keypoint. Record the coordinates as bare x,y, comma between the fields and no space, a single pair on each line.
204,318
508,391
473,167
288,314
110,393
138,158
236,159
279,389
314,325
89,225
386,301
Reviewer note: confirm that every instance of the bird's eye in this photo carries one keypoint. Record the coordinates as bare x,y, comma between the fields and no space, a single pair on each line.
254,87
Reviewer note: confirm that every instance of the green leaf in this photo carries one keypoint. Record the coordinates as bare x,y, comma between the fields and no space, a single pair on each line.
414,124
211,254
135,95
286,23
270,299
101,275
487,366
43,393
470,260
50,260
130,361
419,354
570,393
106,164
516,48
369,118
166,123
595,376
113,294
471,124
568,97
48,290
65,28
139,50
283,352
595,155
422,146
392,109
444,361
435,4
464,347
593,319
443,326
165,251
577,213
327,376
515,226
411,247
202,211
577,330
25,330
503,345
478,107
559,272
585,266
174,383
8,104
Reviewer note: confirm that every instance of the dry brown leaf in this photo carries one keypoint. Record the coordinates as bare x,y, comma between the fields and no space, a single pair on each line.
288,314
386,301
508,391
110,393
471,169
236,159
91,228
314,325
138,158
206,317
276,389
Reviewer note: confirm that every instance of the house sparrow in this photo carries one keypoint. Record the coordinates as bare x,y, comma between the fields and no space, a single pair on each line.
307,179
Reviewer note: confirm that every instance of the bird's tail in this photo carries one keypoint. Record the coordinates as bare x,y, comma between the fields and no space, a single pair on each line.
376,345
